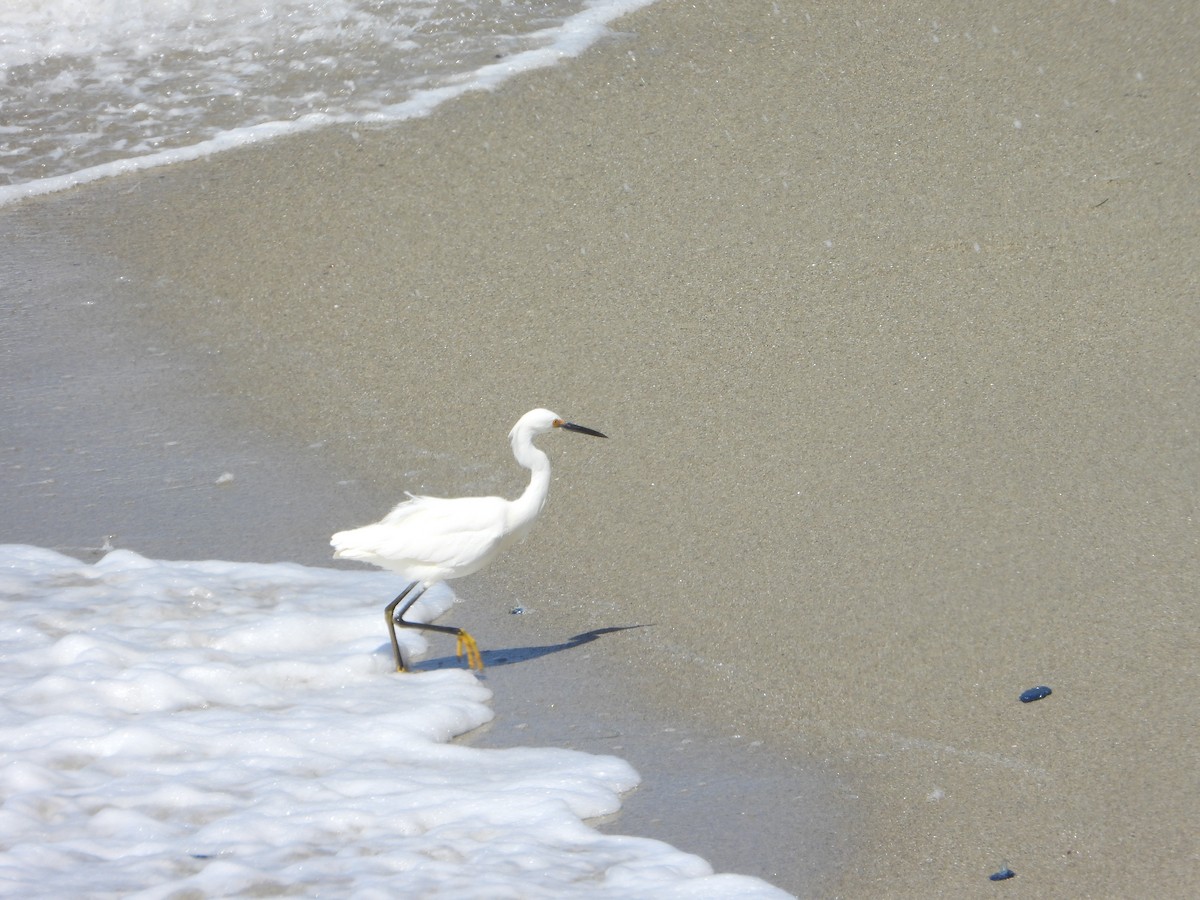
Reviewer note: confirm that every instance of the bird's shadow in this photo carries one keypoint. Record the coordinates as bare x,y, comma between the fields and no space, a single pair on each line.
512,655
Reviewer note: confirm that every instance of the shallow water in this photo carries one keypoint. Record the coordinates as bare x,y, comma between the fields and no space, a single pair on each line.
91,88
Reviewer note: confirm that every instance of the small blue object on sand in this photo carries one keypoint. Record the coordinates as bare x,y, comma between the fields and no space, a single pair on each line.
1035,693
1004,874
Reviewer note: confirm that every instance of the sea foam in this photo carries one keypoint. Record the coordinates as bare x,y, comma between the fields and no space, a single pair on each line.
232,729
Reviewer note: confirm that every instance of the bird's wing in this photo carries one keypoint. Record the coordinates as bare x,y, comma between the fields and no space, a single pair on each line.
429,536
447,514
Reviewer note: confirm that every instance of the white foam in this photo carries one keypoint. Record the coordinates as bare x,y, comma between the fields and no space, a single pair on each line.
231,729
106,87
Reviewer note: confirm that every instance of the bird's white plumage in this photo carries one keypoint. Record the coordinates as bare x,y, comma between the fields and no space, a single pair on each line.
431,539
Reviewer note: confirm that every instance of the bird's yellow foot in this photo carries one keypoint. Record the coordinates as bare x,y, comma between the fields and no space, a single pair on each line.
467,644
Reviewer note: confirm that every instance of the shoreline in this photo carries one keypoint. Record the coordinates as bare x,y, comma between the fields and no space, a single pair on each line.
165,476
893,320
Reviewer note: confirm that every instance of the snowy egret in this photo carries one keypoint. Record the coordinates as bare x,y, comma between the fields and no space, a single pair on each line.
432,539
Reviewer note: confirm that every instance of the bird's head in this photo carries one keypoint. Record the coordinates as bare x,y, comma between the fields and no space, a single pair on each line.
541,421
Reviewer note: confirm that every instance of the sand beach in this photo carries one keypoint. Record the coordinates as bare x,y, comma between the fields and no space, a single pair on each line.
891,316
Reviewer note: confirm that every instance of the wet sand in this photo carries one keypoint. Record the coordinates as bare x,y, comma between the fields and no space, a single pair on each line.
891,316
115,441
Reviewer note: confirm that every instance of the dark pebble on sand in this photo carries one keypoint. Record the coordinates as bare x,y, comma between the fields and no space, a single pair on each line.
1036,693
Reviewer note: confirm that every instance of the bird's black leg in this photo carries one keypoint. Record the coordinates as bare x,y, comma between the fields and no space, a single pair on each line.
466,643
392,619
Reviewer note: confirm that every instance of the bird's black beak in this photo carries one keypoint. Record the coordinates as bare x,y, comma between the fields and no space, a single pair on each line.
582,429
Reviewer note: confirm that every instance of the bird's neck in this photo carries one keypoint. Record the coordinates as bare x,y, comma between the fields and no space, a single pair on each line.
526,507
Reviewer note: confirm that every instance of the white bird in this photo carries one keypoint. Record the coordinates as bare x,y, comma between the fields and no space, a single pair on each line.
432,539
